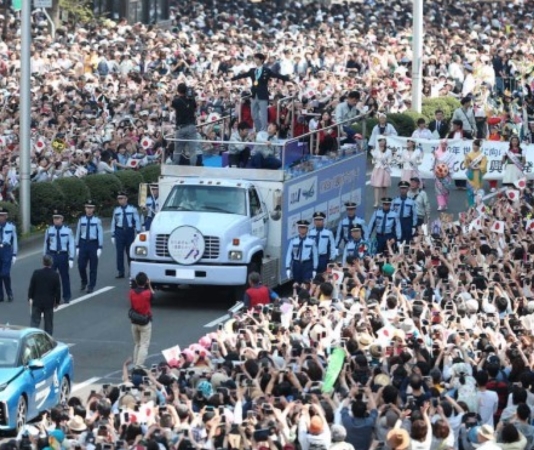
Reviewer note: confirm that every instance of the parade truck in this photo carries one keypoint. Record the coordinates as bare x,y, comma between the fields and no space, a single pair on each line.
216,225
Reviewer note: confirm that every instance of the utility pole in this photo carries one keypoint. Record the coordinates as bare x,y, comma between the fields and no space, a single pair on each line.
417,60
25,114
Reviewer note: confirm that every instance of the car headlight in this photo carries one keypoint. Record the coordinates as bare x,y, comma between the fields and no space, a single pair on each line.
141,251
235,255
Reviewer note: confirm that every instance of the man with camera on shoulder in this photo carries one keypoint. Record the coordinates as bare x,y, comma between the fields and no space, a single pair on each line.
185,106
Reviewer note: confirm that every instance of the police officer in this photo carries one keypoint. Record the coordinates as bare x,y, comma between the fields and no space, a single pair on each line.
347,223
8,254
59,243
152,205
302,258
89,240
324,240
406,208
125,223
357,247
387,225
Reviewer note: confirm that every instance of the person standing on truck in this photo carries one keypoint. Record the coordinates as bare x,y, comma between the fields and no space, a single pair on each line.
260,76
387,225
302,258
185,106
324,240
264,156
406,208
348,223
125,223
257,293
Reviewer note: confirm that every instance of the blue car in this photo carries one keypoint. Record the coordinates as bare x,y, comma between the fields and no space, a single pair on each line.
35,374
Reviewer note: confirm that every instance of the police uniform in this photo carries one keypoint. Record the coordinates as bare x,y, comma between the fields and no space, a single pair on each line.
89,240
386,224
358,248
59,243
302,258
347,223
124,225
152,207
8,254
324,240
406,208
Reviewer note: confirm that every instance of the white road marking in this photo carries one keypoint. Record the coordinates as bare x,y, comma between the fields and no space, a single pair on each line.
85,297
84,384
217,321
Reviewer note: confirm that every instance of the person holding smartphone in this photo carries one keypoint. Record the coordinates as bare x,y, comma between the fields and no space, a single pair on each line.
141,297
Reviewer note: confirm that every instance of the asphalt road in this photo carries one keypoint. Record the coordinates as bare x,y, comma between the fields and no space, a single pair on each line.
96,325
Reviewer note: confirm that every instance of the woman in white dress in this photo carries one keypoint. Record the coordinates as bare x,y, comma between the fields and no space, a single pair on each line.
381,175
411,158
514,163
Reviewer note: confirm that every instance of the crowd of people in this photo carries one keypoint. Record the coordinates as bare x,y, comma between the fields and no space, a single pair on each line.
102,92
425,345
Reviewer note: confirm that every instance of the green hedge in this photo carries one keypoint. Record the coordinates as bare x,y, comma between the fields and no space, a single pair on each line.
45,198
130,181
405,123
104,189
151,173
76,193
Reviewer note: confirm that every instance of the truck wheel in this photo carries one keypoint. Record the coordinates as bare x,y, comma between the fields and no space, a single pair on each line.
238,292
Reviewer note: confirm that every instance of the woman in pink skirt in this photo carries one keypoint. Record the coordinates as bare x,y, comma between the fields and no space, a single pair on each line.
381,175
411,158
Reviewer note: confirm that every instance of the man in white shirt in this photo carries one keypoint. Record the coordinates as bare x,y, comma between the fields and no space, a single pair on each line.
488,401
422,132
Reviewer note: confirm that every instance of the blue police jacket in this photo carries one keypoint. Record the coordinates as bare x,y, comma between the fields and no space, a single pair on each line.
302,249
385,223
406,208
89,229
132,219
324,240
65,243
344,226
8,237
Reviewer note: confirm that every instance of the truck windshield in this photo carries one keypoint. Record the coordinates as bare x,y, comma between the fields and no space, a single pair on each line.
229,200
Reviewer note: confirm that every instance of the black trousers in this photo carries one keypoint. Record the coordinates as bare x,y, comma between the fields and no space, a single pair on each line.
48,318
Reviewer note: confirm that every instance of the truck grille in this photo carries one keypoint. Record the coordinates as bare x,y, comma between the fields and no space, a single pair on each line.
3,414
211,251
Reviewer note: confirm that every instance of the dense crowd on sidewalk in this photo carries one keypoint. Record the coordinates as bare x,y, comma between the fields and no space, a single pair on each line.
423,346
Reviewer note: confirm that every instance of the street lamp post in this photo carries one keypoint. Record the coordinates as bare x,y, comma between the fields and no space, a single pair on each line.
25,115
417,59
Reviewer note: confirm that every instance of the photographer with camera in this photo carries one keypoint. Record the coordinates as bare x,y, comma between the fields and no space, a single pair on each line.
140,314
185,106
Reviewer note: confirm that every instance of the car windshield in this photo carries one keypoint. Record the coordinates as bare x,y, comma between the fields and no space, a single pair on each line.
8,352
222,199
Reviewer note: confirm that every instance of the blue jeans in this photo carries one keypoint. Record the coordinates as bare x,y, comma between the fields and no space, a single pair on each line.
180,155
259,161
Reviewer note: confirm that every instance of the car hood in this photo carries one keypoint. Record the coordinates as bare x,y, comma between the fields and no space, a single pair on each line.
209,224
9,373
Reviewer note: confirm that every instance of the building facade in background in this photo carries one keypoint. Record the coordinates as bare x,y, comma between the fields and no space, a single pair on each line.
145,11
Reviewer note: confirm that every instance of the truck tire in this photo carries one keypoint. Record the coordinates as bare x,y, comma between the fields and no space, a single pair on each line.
238,292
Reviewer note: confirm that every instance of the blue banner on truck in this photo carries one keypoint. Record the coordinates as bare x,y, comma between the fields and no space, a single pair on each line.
324,190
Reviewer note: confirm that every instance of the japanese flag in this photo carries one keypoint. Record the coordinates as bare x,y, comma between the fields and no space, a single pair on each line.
529,226
498,227
3,141
476,224
133,163
213,117
521,183
146,142
512,194
40,144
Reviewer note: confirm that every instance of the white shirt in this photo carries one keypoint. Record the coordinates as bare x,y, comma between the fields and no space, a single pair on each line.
424,133
487,402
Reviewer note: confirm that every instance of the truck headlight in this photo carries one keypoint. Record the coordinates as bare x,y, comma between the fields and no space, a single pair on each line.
141,251
235,255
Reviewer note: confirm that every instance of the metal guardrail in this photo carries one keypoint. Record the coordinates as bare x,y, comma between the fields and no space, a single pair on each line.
221,120
291,109
311,134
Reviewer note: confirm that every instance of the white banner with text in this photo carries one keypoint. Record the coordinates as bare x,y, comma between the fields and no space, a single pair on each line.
494,151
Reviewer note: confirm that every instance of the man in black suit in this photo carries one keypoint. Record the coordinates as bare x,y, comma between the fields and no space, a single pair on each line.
260,77
44,295
439,124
